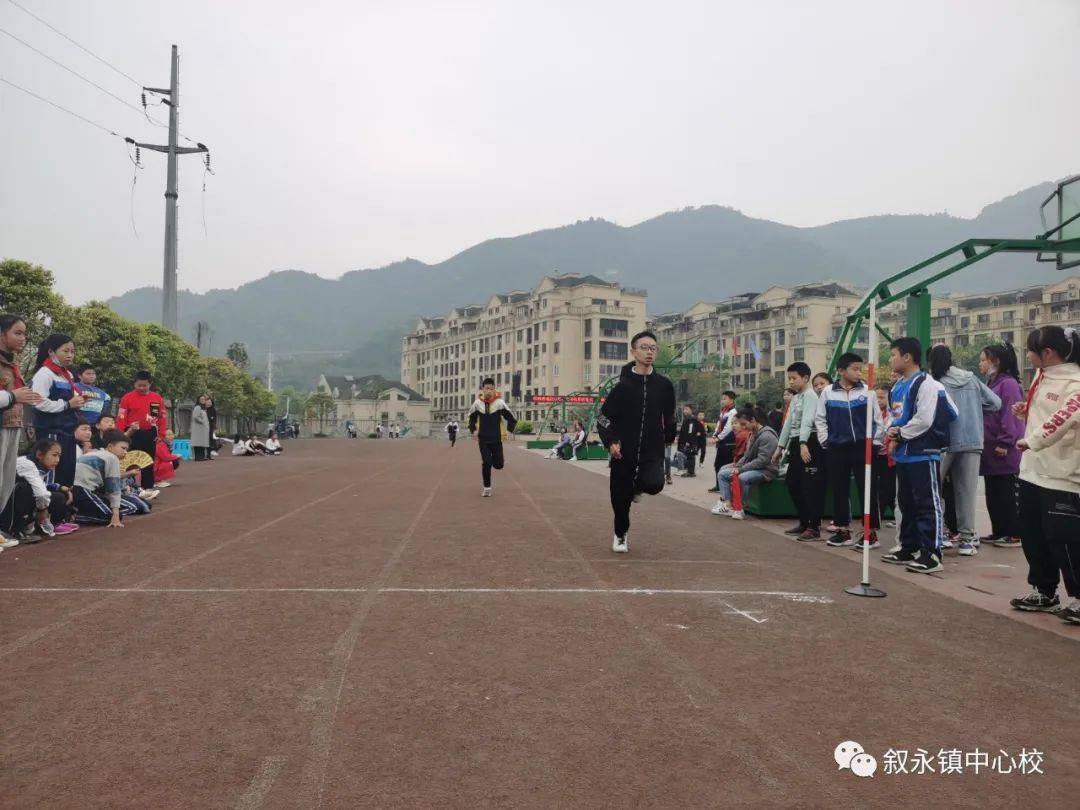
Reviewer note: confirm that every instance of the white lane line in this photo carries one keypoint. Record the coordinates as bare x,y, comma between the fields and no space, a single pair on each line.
744,613
664,562
260,784
792,596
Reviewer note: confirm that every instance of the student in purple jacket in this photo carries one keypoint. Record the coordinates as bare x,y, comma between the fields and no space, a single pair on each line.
1000,464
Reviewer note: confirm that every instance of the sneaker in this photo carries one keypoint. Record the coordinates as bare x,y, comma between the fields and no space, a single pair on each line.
926,563
47,529
737,514
841,539
619,545
947,543
1070,614
902,556
858,546
668,480
714,489
163,485
796,530
967,548
986,538
1037,602
890,524
636,498
148,494
486,492
833,528
1007,542
722,508
809,535
65,528
7,542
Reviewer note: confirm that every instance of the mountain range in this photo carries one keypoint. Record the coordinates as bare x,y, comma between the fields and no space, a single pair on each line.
680,257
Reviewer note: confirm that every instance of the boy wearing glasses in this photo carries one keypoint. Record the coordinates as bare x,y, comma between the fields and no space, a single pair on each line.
636,423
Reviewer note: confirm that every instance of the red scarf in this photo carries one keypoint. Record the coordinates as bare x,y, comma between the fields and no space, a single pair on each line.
18,380
61,372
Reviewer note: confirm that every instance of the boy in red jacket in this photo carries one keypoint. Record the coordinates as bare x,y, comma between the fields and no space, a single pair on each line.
143,410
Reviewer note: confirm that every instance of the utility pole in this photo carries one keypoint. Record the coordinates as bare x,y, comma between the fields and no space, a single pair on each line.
270,368
168,285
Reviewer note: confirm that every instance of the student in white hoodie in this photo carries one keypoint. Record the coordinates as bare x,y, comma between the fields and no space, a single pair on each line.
1050,473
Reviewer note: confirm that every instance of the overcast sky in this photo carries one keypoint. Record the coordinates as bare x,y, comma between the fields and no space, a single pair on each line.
346,135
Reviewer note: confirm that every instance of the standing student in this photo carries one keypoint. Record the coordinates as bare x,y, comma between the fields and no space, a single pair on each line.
884,472
200,431
724,434
485,423
919,433
806,472
14,394
690,435
999,465
754,466
1050,473
636,423
703,442
57,414
821,381
143,410
211,416
960,463
452,431
840,422
97,401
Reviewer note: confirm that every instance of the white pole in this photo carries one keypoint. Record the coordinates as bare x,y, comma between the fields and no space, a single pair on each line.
871,403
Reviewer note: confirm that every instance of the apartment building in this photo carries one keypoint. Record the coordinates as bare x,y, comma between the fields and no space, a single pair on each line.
761,334
977,320
568,334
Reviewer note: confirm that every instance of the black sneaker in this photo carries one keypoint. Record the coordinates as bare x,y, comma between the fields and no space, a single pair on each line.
874,543
796,530
809,535
841,539
1070,614
1037,602
926,563
901,557
714,489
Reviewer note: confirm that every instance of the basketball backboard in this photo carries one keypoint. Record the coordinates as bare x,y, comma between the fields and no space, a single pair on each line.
1060,214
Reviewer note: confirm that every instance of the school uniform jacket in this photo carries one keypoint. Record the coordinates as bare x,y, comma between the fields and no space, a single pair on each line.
840,419
484,417
927,410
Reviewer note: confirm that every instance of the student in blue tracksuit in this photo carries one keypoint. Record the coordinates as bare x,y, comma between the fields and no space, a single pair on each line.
840,422
919,433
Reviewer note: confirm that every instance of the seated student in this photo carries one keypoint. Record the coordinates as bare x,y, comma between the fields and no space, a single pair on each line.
38,507
84,436
165,461
756,463
273,445
564,440
240,446
104,424
257,446
97,482
134,496
578,440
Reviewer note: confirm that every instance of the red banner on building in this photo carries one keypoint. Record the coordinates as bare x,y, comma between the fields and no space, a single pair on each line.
574,399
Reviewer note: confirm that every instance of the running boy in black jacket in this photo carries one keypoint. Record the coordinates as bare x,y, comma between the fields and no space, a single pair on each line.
636,421
485,413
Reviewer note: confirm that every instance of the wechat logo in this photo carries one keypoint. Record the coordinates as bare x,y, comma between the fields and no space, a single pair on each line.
850,755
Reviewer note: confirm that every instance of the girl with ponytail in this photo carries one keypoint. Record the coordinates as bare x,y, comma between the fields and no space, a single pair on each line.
1002,429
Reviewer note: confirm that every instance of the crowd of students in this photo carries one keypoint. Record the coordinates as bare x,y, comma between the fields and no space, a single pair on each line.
935,430
84,465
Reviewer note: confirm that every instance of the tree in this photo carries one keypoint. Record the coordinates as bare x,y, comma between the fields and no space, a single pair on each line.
321,406
224,382
179,372
769,392
26,290
290,401
238,354
115,346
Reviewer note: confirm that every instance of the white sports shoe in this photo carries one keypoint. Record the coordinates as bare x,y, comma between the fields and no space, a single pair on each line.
7,542
163,485
486,493
722,508
619,545
737,514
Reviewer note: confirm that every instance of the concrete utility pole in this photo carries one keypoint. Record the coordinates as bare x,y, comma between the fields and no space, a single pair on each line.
168,285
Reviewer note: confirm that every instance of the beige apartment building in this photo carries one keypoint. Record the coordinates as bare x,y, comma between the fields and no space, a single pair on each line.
978,320
762,333
568,334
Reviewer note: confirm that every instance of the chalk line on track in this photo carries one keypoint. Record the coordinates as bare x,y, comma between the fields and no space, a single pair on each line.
34,635
260,784
313,777
793,596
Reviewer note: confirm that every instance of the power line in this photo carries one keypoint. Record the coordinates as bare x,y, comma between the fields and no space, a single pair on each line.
76,73
143,111
55,30
61,108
